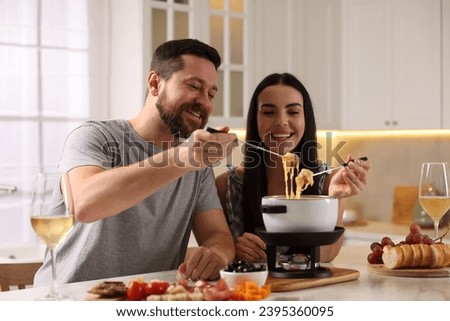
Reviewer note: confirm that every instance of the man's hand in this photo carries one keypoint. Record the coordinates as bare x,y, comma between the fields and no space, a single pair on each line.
204,149
203,264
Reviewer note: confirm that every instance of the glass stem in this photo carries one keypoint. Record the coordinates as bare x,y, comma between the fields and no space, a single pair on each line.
54,289
436,229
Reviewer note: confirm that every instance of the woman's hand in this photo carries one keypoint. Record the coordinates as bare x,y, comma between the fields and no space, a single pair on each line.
350,180
249,248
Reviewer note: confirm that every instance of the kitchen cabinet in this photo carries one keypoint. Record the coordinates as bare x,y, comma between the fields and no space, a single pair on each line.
302,38
367,64
391,64
315,55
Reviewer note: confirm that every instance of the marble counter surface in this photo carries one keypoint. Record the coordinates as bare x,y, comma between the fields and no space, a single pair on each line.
366,232
369,286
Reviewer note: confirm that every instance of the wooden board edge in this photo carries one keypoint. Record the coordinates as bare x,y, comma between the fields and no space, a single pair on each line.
348,275
420,273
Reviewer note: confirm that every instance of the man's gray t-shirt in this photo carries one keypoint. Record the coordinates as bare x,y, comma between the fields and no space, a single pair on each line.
150,236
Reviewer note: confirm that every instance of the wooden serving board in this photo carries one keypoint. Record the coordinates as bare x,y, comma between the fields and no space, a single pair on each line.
419,272
339,275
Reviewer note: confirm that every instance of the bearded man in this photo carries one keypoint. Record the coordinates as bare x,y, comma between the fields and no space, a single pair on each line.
140,186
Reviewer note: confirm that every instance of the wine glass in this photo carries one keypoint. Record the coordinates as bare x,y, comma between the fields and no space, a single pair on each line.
52,217
434,193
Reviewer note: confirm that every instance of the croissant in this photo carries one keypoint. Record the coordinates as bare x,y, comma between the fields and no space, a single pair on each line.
416,256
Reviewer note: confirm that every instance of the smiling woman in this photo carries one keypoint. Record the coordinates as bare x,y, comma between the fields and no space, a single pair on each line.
281,118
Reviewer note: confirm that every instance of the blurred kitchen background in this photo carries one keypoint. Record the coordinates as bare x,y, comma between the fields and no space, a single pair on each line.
378,72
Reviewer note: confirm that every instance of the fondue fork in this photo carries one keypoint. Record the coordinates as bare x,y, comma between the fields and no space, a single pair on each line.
212,130
364,158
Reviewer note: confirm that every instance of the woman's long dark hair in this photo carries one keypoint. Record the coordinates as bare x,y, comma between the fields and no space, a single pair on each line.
255,180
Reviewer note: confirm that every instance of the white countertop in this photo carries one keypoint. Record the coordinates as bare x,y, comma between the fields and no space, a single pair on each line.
366,232
369,286
372,286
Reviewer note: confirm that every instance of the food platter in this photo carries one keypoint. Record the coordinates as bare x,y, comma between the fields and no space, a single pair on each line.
248,286
417,272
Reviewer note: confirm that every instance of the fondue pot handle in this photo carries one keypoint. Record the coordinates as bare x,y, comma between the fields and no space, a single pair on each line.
274,209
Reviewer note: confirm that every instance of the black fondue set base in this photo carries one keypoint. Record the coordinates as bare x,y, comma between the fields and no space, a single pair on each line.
298,243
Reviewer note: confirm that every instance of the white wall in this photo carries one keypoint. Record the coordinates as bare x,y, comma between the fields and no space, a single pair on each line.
270,32
127,70
446,62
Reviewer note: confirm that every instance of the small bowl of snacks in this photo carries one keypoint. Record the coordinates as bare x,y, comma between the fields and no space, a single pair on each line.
240,272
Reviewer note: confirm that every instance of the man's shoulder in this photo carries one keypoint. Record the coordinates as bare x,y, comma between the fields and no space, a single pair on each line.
108,124
113,125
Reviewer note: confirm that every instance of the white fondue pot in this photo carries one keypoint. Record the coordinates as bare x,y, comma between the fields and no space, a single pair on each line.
310,213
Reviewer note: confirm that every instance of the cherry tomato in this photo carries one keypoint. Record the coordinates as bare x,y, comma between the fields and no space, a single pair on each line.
136,291
221,285
156,287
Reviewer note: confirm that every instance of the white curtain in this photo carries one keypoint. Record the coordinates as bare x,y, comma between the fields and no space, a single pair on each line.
53,75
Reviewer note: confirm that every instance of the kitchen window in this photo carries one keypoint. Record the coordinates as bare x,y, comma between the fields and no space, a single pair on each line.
52,77
223,24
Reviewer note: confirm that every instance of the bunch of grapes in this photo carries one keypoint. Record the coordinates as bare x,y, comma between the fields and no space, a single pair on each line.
415,236
377,250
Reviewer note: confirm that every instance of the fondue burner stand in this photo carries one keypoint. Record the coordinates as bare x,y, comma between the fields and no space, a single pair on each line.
306,244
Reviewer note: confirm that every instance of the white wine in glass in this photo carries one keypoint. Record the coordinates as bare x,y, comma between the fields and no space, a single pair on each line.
51,218
434,193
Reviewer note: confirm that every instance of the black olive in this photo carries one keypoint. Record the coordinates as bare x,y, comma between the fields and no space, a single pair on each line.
243,267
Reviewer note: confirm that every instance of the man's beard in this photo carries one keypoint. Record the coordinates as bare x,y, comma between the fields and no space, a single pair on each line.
172,117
